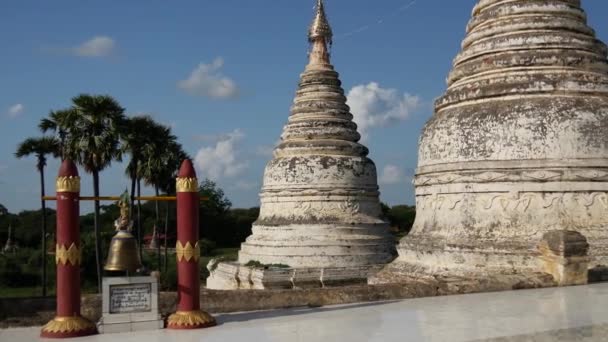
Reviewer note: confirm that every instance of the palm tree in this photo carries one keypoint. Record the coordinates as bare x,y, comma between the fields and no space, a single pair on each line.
156,154
155,168
61,122
92,139
136,137
41,148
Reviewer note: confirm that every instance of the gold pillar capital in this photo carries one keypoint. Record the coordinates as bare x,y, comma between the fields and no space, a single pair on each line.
68,184
186,184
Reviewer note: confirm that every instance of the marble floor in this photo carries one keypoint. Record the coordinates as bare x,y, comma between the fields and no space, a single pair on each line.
558,314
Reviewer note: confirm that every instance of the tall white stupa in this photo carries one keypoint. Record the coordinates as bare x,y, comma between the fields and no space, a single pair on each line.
320,214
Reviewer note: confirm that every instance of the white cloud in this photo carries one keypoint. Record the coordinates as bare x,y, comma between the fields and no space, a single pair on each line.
391,174
245,185
264,151
213,138
99,46
15,110
267,150
373,106
207,80
222,160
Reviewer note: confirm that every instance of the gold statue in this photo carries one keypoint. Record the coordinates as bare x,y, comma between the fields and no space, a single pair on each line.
124,221
124,253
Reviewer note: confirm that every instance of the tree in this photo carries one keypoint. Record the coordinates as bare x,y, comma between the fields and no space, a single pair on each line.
155,158
60,122
91,130
402,216
155,168
41,148
134,138
3,212
137,134
216,223
162,157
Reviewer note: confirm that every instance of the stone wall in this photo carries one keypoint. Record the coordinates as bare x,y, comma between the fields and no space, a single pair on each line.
37,311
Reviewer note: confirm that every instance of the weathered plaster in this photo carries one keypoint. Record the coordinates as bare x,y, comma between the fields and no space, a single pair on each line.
320,205
517,146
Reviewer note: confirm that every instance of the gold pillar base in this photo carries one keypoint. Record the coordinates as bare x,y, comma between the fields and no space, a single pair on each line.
190,320
64,327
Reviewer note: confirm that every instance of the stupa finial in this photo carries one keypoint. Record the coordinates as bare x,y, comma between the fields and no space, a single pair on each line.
320,27
319,36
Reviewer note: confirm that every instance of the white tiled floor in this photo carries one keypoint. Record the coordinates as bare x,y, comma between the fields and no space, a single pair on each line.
561,314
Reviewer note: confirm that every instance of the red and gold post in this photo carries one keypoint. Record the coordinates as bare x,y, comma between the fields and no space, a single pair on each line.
68,322
188,315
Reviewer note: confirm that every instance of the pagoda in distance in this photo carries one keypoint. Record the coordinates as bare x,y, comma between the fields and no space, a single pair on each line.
320,218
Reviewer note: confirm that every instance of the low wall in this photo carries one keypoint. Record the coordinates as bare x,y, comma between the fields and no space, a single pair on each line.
38,311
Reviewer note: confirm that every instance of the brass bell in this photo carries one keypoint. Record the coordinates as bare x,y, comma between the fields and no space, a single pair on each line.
123,254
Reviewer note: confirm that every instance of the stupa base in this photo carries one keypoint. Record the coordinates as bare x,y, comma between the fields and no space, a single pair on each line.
425,258
235,276
400,272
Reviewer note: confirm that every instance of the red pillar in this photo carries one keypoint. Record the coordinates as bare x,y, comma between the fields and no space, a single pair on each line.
68,322
188,315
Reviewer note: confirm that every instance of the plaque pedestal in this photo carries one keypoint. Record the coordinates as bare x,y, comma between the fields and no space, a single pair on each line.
129,304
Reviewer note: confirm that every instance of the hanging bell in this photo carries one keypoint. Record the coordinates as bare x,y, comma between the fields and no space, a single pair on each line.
123,254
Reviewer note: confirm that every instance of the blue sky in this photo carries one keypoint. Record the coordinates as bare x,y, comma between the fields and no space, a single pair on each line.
223,75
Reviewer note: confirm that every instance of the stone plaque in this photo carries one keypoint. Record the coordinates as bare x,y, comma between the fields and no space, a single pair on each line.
130,298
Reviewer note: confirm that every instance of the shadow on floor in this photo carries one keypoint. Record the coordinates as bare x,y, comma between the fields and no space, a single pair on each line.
250,316
598,274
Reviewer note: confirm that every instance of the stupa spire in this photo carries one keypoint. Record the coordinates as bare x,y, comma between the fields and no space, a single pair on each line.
320,36
320,28
10,246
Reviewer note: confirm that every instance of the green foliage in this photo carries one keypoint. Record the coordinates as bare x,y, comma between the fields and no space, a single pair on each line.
27,227
40,147
88,264
135,137
402,217
218,222
169,278
214,213
243,219
93,133
385,209
207,246
10,272
217,202
14,270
